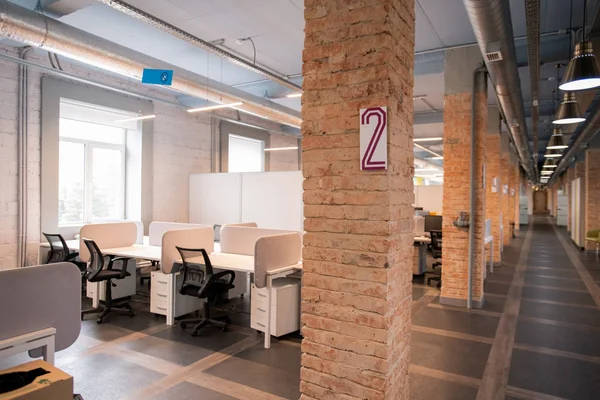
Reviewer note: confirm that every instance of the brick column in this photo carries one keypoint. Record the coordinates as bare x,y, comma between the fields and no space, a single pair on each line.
592,192
517,186
512,188
458,77
493,195
570,177
505,182
356,295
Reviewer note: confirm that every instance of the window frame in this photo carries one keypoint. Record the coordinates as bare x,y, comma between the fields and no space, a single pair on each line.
228,128
89,146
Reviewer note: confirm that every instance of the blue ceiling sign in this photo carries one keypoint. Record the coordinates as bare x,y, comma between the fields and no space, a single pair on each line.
157,76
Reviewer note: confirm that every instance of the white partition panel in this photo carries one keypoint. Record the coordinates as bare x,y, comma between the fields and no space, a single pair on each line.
273,199
215,199
430,197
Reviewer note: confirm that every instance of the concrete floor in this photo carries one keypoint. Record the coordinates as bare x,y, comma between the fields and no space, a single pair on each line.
535,338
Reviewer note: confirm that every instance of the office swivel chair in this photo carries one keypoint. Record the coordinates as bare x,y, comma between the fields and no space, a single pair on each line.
436,251
201,281
101,270
60,252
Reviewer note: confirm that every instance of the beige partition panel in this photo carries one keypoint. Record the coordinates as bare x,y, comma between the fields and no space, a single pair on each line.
196,238
275,252
107,236
158,229
241,239
40,297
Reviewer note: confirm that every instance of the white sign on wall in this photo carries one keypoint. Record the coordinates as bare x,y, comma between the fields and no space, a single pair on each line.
512,192
373,138
505,189
495,184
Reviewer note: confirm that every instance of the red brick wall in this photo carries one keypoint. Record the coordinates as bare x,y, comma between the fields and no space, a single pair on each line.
358,246
493,201
457,183
570,176
518,179
505,180
592,193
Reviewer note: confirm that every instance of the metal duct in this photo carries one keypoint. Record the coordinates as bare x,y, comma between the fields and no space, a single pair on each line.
204,45
532,19
37,30
492,25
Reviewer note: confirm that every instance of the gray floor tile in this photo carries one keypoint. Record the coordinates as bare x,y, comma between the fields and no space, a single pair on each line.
426,388
418,292
558,337
558,295
105,331
494,303
496,288
209,338
457,356
573,315
558,273
557,283
280,355
169,350
104,377
557,376
189,391
457,321
261,376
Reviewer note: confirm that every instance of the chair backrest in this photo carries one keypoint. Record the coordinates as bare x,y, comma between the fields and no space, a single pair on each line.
196,267
58,248
96,263
436,243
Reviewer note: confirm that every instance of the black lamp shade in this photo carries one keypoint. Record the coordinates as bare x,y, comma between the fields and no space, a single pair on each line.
557,141
582,71
568,111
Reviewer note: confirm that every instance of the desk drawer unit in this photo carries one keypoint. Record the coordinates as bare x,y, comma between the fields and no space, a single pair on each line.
285,307
160,300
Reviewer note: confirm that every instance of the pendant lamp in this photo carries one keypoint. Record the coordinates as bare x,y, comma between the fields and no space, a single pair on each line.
557,141
549,164
568,111
582,72
553,154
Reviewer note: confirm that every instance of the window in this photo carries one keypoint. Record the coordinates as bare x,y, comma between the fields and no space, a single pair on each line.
91,172
246,154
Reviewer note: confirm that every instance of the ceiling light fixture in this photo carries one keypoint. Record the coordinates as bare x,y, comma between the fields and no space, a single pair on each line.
429,139
582,71
568,111
140,118
293,95
282,148
435,158
549,164
553,154
546,172
418,146
208,108
557,141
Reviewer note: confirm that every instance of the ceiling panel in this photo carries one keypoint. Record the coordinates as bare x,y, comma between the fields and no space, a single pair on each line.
450,21
426,37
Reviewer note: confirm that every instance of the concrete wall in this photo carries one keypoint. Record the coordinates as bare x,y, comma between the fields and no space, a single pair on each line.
182,145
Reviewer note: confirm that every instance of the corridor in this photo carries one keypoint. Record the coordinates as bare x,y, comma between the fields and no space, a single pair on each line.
535,338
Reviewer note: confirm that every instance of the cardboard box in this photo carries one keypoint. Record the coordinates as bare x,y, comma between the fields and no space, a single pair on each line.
55,385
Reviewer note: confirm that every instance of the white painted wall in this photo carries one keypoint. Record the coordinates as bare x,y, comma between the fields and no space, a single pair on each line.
430,198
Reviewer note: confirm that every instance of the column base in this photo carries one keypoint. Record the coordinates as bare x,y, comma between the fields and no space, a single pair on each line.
453,301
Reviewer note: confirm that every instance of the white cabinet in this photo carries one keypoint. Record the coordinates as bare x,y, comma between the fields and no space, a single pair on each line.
562,209
523,210
285,307
164,296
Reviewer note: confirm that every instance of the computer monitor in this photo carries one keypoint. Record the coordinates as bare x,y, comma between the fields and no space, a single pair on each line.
433,223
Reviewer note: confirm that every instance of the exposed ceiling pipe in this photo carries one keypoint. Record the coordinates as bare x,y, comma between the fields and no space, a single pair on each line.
532,20
37,30
492,25
588,130
204,45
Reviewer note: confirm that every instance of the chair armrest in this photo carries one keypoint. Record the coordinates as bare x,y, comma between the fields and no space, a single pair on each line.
219,275
71,256
122,260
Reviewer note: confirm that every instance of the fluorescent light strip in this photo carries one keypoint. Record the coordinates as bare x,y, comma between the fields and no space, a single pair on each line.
430,139
552,155
293,95
208,108
282,148
427,150
435,158
141,117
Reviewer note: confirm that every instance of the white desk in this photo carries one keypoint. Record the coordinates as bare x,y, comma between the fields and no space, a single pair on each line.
245,264
144,252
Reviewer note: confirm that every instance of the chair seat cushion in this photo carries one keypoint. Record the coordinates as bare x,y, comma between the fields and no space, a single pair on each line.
216,288
107,274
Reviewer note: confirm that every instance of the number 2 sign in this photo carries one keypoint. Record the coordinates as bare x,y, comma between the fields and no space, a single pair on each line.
373,138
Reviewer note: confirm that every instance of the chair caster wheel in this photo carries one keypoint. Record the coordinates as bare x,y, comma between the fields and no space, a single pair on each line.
183,325
194,334
131,314
99,321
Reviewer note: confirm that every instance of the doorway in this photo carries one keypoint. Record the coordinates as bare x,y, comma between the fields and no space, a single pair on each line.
539,202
